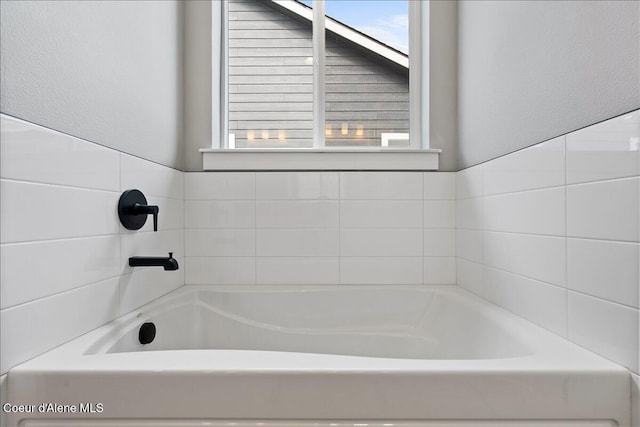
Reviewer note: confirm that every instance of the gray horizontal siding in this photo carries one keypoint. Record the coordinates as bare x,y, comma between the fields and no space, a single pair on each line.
271,115
267,98
267,71
253,107
365,97
270,84
262,88
267,61
258,34
266,79
249,52
280,43
275,124
358,89
367,106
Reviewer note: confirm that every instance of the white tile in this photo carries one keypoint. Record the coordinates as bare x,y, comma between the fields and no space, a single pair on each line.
381,185
381,213
39,212
219,213
145,284
469,276
3,399
533,212
28,330
469,213
538,257
469,244
635,400
604,210
297,214
381,271
439,271
604,269
439,213
151,178
541,303
38,269
297,185
607,150
469,182
297,242
606,328
297,271
439,242
150,244
32,153
220,271
439,186
220,242
539,166
381,242
170,215
219,185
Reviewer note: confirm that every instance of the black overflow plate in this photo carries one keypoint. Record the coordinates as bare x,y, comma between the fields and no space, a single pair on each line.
147,333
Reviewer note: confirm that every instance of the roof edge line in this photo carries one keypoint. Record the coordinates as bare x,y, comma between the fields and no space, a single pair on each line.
347,32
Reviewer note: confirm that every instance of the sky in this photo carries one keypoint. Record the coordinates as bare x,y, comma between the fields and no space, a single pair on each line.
384,20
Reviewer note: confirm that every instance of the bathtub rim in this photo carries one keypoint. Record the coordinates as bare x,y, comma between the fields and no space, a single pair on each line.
561,382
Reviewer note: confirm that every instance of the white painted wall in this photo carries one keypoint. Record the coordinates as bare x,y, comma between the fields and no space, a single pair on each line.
108,72
443,82
533,70
198,93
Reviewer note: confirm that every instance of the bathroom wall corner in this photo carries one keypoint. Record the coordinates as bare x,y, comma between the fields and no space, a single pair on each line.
635,400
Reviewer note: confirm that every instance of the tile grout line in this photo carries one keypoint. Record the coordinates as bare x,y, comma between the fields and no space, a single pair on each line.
119,310
184,226
483,229
566,235
255,228
339,228
423,177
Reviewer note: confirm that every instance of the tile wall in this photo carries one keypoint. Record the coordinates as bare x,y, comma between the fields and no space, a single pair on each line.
63,251
320,228
552,233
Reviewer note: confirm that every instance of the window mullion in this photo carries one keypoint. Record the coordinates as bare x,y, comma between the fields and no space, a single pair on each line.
318,41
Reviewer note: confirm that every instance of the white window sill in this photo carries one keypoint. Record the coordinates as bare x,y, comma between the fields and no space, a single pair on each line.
319,159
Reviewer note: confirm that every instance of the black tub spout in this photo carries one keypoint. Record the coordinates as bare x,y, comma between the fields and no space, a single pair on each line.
168,263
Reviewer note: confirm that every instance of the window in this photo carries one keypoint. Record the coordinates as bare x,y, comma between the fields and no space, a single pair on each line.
284,92
299,78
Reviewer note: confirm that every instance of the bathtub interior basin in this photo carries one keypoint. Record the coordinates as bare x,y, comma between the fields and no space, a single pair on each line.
429,323
400,354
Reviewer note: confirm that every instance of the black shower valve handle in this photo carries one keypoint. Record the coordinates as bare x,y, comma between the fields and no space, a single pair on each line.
133,210
138,209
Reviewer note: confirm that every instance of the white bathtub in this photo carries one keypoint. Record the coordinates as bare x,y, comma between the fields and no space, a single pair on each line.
334,356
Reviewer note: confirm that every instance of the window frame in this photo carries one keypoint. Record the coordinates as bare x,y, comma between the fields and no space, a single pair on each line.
418,104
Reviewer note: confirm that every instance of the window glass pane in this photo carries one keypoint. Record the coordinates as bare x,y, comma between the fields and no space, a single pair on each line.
367,73
270,77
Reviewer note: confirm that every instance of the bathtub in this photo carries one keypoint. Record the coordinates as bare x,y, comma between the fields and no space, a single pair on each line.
321,356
